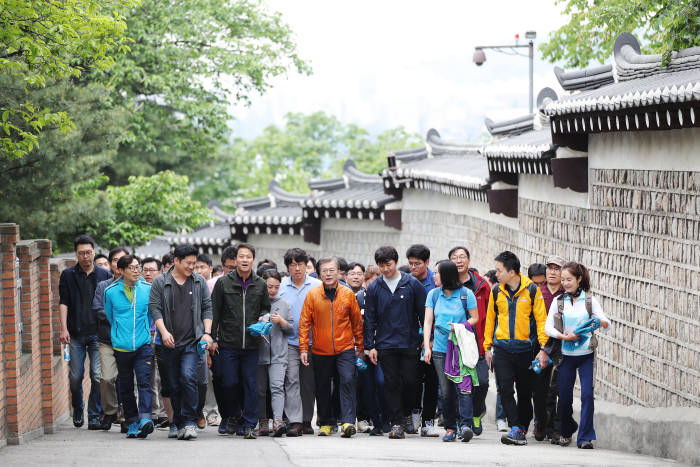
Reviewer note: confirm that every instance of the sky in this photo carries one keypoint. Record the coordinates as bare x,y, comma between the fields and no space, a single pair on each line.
382,64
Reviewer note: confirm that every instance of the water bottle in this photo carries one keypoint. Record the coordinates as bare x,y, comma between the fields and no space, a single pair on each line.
66,353
360,364
201,347
536,367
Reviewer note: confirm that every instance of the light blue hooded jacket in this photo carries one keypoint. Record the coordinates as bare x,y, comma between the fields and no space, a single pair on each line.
131,322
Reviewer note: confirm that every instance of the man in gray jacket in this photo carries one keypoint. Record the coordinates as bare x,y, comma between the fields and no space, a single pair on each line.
180,306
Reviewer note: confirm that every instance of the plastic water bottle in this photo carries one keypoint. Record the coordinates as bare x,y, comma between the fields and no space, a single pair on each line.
360,364
536,367
66,353
201,347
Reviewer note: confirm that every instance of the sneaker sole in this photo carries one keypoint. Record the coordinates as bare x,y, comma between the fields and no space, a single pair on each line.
513,442
393,436
146,430
348,432
467,437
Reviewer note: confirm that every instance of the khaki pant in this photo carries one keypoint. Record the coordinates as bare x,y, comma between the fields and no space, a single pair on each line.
108,377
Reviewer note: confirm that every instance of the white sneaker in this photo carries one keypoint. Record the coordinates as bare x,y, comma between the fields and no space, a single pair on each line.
190,432
501,425
429,430
363,426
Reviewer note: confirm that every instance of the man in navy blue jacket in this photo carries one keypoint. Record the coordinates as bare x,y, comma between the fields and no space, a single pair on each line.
394,311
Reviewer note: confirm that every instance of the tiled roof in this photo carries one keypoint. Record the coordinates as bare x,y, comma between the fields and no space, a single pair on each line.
531,145
589,78
510,127
440,147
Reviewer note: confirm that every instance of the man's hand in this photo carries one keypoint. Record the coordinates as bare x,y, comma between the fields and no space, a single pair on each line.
207,338
168,339
543,358
64,337
304,357
373,356
213,348
489,359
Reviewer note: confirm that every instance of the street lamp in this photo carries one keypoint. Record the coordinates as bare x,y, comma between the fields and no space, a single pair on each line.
480,56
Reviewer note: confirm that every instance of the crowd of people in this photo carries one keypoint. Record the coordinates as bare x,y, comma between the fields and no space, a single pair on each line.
177,344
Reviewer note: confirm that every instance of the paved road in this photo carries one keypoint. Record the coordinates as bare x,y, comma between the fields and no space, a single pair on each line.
80,447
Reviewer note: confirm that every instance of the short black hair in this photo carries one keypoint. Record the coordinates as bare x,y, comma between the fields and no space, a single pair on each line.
265,261
263,268
167,258
183,251
247,246
536,269
313,262
459,247
272,273
295,254
405,268
125,261
151,259
83,239
230,252
509,260
355,264
204,258
449,276
283,274
98,256
342,264
419,251
491,275
325,260
218,268
114,251
384,254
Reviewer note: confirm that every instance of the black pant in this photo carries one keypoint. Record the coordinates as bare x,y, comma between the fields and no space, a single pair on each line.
479,393
553,421
514,366
325,366
400,367
540,389
427,391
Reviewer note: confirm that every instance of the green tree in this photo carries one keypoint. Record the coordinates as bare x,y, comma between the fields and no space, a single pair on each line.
189,61
44,41
664,25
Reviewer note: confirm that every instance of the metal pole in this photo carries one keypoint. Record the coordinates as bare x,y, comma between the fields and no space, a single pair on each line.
530,48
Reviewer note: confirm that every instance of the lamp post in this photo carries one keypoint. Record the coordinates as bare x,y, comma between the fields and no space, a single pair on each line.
480,57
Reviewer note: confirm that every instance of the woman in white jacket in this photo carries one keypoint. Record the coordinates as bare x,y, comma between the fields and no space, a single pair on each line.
573,317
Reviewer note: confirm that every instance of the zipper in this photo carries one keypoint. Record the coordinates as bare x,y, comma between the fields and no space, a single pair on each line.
133,309
332,322
244,326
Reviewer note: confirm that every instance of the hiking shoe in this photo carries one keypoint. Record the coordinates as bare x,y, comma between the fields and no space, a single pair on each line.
410,427
564,441
263,427
78,419
107,421
173,432
348,429
478,429
516,437
213,420
249,433
278,427
295,429
181,433
397,432
145,427
223,427
376,431
201,421
161,422
539,431
466,434
501,426
133,430
363,426
190,433
450,435
94,424
307,429
325,430
586,445
428,431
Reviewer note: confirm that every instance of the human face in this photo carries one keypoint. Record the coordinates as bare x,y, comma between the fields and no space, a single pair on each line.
419,268
228,265
355,277
166,266
297,271
273,286
329,274
436,278
502,274
85,254
539,280
310,267
150,271
388,269
553,275
185,267
244,261
461,260
569,281
113,265
131,273
369,280
102,263
203,268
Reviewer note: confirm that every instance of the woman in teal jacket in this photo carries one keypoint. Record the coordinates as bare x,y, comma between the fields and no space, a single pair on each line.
126,307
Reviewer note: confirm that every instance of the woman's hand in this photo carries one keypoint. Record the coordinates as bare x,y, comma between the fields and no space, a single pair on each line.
569,336
427,353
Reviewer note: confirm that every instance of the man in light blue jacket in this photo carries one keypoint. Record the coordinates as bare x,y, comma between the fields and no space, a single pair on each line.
126,308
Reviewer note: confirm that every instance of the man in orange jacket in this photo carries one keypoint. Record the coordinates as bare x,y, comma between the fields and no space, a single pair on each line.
332,315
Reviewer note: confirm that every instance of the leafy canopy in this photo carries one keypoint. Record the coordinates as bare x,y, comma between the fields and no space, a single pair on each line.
664,26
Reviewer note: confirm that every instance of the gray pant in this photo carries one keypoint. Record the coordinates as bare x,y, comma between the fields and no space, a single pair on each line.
271,376
210,406
299,386
108,378
157,409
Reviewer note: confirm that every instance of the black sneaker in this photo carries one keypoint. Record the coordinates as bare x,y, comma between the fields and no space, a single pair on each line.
397,432
231,425
376,431
78,419
124,427
107,421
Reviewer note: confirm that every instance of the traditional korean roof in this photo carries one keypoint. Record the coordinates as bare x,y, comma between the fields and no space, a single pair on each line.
511,127
524,153
279,212
211,238
589,78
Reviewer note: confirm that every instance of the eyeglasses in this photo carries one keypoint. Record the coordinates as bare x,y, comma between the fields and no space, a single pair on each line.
134,268
297,265
460,257
329,271
554,268
415,264
227,268
85,253
145,270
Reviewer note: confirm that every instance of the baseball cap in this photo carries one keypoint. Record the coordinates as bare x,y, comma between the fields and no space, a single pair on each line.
554,259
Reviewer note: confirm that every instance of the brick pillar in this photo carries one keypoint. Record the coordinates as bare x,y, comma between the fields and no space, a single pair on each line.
9,367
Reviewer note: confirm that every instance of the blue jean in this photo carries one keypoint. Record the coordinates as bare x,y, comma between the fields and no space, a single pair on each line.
567,378
80,347
138,363
452,399
182,365
236,367
372,390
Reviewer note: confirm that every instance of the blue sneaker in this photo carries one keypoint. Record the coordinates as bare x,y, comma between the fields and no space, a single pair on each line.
133,430
145,427
516,437
172,433
450,435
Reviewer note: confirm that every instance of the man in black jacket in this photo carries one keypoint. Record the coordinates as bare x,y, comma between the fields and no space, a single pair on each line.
239,299
76,289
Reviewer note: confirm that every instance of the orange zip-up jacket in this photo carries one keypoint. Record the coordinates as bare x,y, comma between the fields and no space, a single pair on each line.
336,325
